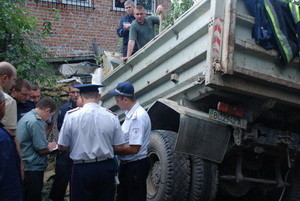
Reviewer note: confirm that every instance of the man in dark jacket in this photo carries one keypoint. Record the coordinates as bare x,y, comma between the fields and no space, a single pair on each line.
124,26
10,176
63,165
20,92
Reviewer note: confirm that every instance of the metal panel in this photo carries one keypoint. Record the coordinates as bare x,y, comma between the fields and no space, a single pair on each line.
250,68
202,138
197,134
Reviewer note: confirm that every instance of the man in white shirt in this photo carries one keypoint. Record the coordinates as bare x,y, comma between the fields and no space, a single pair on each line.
91,134
134,166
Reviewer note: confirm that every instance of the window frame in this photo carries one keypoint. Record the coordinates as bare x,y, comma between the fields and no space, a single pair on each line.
135,4
88,3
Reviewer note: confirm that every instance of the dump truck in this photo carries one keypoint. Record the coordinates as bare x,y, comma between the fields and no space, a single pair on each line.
225,115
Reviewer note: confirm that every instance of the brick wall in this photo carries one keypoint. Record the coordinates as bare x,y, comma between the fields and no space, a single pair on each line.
75,29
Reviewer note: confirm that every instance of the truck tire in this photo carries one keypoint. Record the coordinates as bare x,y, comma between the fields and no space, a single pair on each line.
204,180
169,176
293,190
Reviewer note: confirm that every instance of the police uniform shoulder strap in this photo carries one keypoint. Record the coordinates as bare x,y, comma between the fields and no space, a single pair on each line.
73,110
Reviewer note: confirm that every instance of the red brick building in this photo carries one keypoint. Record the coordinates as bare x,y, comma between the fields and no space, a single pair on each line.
76,24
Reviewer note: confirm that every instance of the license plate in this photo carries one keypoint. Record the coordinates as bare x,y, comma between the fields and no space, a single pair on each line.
227,119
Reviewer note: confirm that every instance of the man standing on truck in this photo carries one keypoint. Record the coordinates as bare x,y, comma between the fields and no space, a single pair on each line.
142,29
124,26
134,163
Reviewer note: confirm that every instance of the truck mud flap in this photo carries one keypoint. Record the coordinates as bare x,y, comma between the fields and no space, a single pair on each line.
197,134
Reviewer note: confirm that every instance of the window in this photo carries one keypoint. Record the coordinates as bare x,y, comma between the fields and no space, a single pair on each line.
80,3
149,5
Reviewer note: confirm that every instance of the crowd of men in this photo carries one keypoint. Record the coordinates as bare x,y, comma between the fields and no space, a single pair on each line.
92,146
91,143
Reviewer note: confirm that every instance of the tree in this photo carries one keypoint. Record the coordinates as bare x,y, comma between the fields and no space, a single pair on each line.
178,7
18,33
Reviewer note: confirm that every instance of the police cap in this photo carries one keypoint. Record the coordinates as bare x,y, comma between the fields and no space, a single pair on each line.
123,89
88,87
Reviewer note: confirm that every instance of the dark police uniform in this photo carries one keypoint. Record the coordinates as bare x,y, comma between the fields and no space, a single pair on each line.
10,177
63,166
91,132
23,108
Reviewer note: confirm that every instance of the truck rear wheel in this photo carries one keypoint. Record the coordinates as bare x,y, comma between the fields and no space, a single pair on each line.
293,190
169,176
204,180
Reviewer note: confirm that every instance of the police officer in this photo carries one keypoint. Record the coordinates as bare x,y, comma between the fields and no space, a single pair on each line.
134,166
91,134
63,165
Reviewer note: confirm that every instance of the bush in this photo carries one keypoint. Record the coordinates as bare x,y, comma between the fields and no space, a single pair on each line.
18,36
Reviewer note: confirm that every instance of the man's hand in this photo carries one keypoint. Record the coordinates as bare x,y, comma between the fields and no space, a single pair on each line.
130,47
52,145
48,150
159,9
124,150
63,148
126,26
124,59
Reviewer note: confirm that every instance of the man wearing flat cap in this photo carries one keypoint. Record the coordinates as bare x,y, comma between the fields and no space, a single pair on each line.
134,166
91,134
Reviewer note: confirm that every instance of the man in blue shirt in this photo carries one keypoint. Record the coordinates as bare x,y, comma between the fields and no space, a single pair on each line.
31,134
124,26
10,175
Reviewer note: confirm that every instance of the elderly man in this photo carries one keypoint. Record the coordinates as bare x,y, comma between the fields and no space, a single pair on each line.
124,26
135,166
31,134
10,177
142,29
20,91
91,134
8,76
63,165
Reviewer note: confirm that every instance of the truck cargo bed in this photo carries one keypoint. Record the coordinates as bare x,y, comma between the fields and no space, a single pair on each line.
208,54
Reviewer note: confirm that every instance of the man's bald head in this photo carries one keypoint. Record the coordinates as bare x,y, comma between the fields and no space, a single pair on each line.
8,75
7,69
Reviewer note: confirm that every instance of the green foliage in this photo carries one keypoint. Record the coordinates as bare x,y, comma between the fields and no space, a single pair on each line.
178,7
293,1
17,31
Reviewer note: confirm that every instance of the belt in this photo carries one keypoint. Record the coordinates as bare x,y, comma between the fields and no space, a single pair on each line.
98,159
122,162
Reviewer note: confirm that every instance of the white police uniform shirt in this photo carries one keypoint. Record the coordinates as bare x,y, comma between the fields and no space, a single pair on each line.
136,129
91,133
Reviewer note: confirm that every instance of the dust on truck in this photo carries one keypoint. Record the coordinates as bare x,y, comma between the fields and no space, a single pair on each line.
225,117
